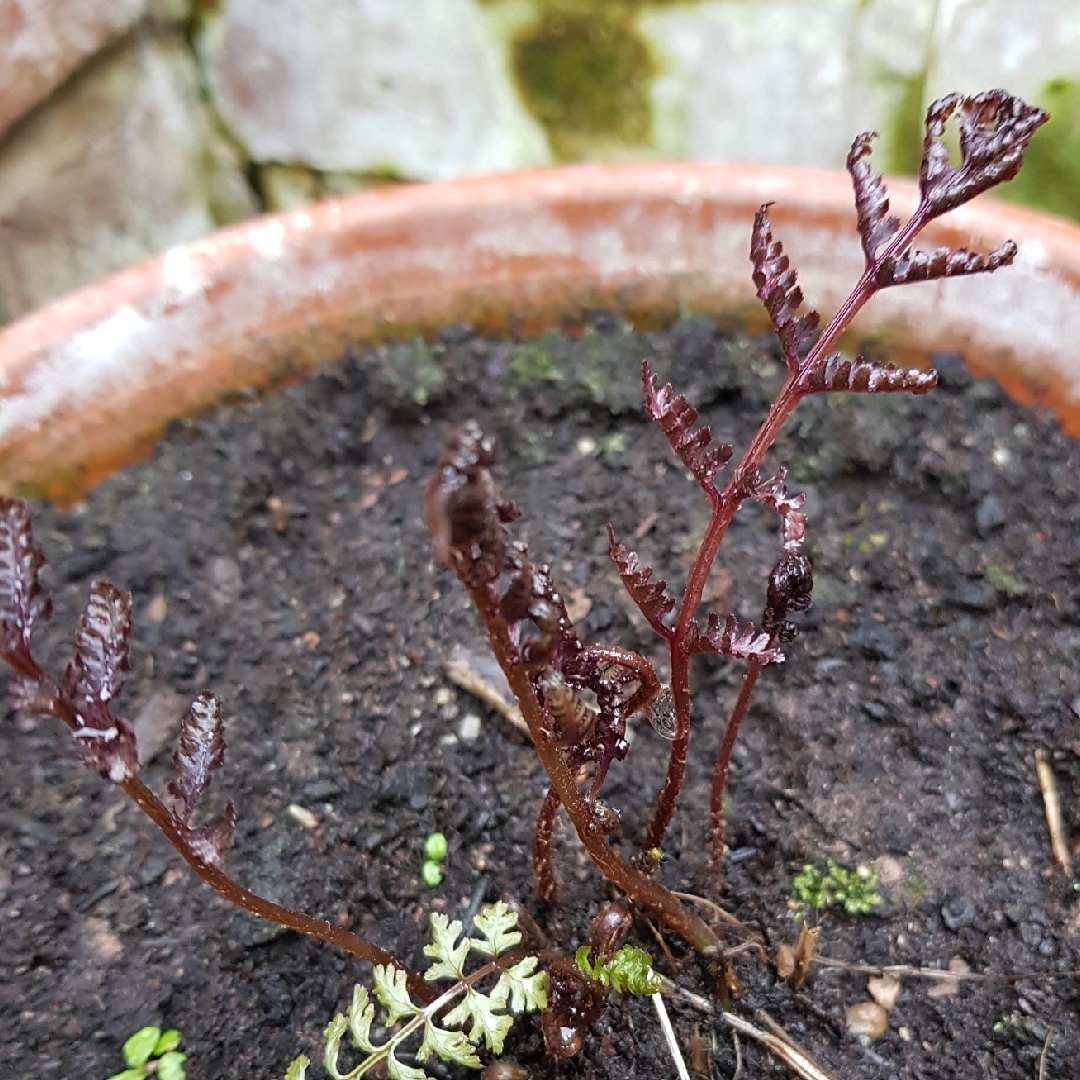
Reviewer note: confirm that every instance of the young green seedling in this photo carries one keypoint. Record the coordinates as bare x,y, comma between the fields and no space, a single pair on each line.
151,1052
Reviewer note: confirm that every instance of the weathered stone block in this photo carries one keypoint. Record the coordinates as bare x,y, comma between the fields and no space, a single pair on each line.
418,90
41,44
117,166
766,82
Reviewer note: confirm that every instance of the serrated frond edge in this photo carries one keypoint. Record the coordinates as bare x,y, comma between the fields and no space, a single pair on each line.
496,925
520,987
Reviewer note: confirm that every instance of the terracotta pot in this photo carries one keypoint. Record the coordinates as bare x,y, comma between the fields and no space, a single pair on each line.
89,382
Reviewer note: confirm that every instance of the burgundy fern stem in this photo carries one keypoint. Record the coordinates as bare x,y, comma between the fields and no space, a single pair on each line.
221,883
795,388
255,905
684,630
638,886
546,888
718,821
82,701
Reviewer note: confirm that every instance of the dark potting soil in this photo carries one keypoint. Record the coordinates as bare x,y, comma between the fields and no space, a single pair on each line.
276,554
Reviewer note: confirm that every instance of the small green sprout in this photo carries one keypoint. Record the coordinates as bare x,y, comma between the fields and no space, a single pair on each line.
1004,582
629,971
853,890
435,849
614,445
151,1052
1020,1027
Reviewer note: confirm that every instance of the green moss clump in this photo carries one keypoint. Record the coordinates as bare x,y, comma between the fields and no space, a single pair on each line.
532,362
606,365
1050,178
415,371
585,76
856,891
1004,582
904,131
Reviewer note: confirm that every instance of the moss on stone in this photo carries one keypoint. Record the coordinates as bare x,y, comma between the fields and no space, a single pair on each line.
1050,178
584,73
904,129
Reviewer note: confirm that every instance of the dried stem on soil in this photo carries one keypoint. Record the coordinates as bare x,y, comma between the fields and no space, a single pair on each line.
1052,805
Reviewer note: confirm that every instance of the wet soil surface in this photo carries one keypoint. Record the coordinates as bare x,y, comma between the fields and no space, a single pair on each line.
276,555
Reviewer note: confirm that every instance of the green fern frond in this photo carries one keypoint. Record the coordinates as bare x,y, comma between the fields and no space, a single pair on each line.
497,934
298,1069
360,1017
488,1022
445,948
527,992
449,1045
457,1035
393,993
629,971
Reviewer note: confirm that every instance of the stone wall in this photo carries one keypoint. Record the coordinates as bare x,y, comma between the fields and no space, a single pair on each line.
130,125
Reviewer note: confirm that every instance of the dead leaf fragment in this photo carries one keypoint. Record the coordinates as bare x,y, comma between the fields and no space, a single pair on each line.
156,722
785,961
884,991
100,941
719,589
373,484
303,817
890,869
482,677
279,514
804,955
157,609
1052,805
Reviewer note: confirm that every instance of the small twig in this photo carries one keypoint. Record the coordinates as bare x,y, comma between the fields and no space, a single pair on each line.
1052,803
1045,1051
738,1056
795,1056
669,1036
776,1028
724,915
696,1001
784,1047
662,943
745,947
942,973
463,675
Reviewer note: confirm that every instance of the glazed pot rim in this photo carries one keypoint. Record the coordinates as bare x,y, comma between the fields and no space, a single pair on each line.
89,381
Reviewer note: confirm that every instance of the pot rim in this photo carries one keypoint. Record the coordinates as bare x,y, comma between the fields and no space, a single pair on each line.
88,382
